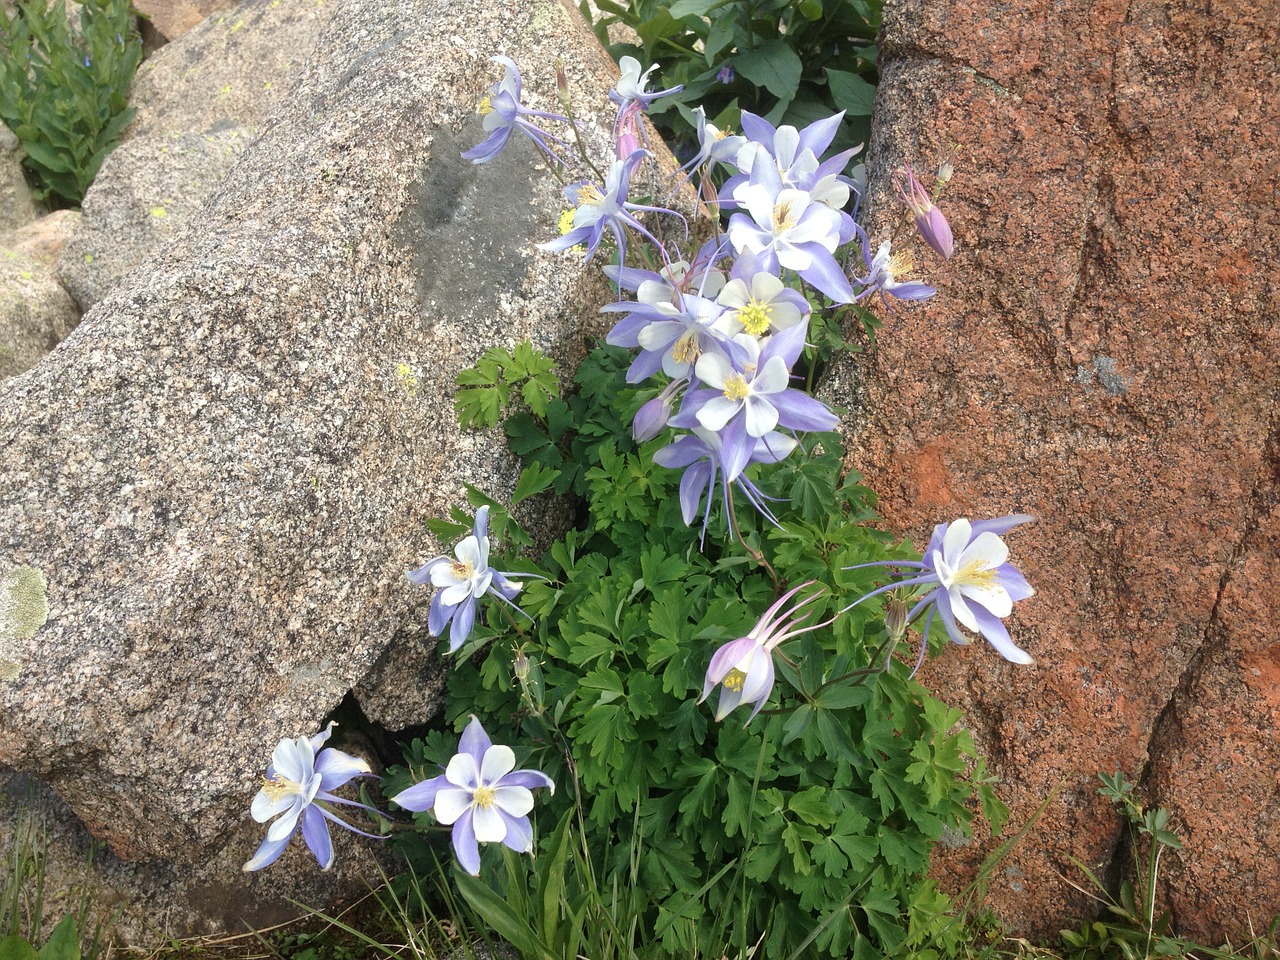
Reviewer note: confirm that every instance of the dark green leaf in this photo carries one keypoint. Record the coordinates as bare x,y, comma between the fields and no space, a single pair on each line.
772,65
851,93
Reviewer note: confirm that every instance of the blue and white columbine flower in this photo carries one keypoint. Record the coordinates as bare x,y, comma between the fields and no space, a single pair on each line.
787,228
461,580
598,208
700,454
884,271
481,795
503,112
300,780
743,668
973,584
748,396
631,85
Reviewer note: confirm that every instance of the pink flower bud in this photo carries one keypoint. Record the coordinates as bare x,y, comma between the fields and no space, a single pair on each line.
628,131
933,226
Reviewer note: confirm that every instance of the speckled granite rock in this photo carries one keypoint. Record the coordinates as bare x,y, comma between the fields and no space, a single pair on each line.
43,239
36,314
1104,352
199,102
226,473
148,191
17,206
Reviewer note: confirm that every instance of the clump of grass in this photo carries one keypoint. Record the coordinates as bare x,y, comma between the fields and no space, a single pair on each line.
79,935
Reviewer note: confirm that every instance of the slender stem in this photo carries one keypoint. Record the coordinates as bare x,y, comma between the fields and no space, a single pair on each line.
751,551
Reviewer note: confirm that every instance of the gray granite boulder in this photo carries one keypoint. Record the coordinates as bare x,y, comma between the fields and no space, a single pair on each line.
199,102
17,205
36,314
226,473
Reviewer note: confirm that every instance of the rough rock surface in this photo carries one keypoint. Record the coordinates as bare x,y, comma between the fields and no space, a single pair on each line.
225,475
1104,353
43,239
199,104
148,191
170,19
36,314
17,206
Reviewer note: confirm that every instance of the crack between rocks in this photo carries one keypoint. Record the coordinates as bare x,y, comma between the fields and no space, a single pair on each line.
1267,471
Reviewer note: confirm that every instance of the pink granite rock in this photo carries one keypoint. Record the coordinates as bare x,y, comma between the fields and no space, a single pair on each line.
1103,352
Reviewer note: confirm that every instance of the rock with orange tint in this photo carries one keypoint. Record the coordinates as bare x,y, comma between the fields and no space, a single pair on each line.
1103,352
170,19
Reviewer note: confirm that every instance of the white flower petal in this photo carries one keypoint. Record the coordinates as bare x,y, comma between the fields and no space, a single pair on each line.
718,411
995,598
772,378
514,801
960,609
955,540
497,763
488,824
463,771
714,369
762,416
450,805
987,549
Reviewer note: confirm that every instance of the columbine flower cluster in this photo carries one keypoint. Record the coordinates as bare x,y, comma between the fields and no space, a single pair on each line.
725,326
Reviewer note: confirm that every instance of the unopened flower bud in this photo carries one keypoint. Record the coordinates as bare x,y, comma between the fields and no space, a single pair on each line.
651,419
895,618
726,74
521,666
628,131
562,84
945,172
933,226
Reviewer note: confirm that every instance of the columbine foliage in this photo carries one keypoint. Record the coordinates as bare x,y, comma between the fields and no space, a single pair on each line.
66,98
486,388
824,809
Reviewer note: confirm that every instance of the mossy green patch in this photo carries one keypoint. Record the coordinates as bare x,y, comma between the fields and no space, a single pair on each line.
24,603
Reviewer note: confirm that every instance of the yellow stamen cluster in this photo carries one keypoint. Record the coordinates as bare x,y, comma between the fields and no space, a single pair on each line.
686,349
783,217
721,134
485,107
755,317
277,786
484,797
590,194
735,388
461,571
901,264
975,573
734,679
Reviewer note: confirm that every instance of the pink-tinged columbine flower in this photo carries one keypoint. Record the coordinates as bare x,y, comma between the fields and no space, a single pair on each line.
298,785
930,222
743,668
503,112
461,580
482,795
973,584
